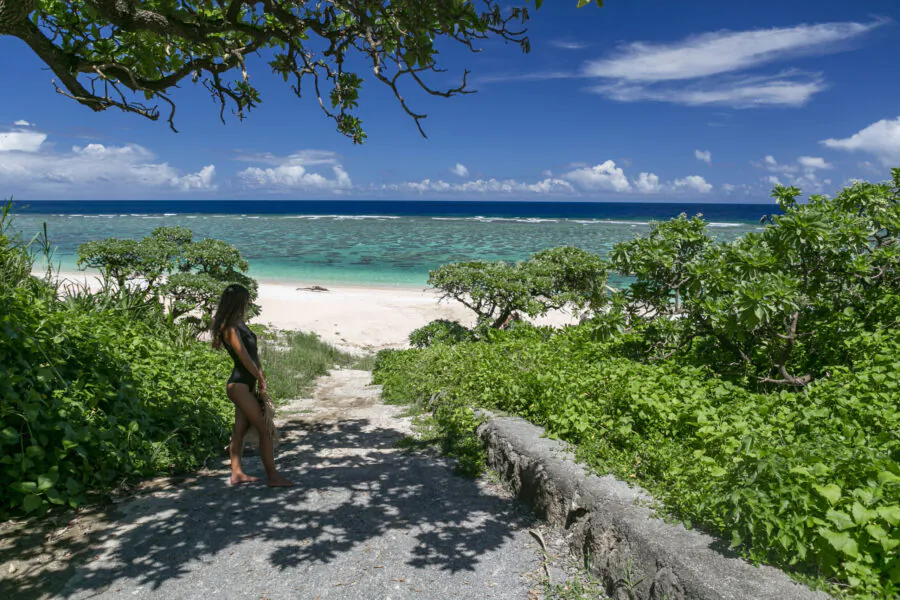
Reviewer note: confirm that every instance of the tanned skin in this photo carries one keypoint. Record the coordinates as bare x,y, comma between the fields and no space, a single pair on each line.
247,414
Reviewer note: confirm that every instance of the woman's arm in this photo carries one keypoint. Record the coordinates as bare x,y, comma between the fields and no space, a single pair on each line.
233,338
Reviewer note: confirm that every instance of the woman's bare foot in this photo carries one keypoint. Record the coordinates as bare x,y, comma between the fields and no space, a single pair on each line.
239,478
280,481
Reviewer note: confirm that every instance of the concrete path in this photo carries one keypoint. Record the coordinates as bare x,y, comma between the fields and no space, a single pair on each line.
368,520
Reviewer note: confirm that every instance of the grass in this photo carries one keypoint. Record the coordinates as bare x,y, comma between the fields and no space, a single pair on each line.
292,360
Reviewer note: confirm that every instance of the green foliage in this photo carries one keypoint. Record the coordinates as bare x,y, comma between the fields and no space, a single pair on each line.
770,472
659,263
440,331
92,398
98,388
550,279
753,387
188,276
292,361
110,55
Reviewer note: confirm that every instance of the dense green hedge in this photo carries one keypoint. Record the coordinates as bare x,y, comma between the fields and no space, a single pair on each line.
804,480
96,390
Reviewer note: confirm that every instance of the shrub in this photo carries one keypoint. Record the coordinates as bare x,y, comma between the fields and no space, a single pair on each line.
188,276
440,331
98,388
753,386
550,279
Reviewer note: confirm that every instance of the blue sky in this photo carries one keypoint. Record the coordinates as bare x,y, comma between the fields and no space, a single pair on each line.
642,100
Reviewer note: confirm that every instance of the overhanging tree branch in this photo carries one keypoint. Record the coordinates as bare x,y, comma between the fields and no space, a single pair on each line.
125,53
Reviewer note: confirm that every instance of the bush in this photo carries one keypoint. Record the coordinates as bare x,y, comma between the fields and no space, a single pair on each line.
92,399
808,481
168,265
549,280
98,389
440,331
753,386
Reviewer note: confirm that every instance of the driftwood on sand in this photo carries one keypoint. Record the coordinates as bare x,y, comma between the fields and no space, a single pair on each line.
315,288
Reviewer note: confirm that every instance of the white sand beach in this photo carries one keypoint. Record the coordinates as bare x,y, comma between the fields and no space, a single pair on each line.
358,319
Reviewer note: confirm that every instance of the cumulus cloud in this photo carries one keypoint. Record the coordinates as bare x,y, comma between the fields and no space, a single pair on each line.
29,165
581,180
703,155
483,186
21,141
693,183
23,123
881,139
292,172
770,164
605,177
460,170
803,174
293,177
647,183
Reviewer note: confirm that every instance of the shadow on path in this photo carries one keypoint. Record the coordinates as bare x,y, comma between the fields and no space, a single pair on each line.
364,511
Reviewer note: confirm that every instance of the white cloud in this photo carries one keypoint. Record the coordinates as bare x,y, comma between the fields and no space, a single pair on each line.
294,176
881,139
723,52
701,70
29,166
728,187
703,155
803,174
603,177
694,183
202,180
647,183
580,180
23,123
460,170
566,45
814,163
770,164
21,141
484,186
791,88
301,157
292,172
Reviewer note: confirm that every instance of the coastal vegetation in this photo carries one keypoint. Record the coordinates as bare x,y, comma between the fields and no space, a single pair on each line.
112,54
185,276
752,386
104,386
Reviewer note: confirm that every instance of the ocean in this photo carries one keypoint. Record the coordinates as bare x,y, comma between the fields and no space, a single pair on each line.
392,243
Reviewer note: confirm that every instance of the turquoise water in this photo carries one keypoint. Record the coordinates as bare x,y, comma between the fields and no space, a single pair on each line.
347,249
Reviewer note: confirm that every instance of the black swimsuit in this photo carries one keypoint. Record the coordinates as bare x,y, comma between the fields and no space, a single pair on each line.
240,374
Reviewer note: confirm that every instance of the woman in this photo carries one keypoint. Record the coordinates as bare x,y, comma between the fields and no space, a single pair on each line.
228,329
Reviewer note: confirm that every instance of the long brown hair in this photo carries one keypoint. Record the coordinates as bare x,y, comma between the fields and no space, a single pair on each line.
230,311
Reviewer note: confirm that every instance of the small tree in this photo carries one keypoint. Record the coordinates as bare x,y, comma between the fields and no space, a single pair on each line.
185,275
549,280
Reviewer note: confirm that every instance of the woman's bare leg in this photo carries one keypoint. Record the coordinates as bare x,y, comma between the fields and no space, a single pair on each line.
236,448
249,406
